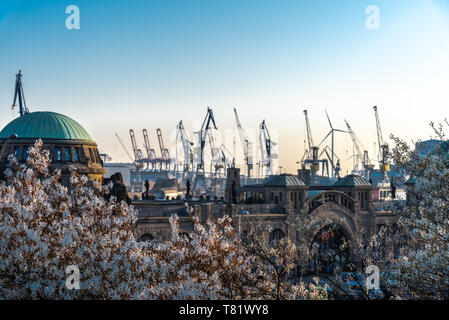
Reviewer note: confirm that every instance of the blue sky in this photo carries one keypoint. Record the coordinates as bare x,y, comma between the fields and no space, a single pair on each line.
149,64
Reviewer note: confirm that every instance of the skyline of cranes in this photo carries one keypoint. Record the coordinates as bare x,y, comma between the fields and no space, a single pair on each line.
206,154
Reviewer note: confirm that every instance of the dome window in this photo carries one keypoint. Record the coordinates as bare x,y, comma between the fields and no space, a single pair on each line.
68,156
26,152
76,154
16,152
58,155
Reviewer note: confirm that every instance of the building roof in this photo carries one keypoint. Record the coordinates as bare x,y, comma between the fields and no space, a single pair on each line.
352,181
312,193
284,180
45,125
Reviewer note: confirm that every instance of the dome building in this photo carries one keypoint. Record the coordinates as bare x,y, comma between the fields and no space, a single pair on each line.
70,146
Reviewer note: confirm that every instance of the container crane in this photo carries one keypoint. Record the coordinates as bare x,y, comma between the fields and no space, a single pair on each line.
247,146
382,155
165,155
151,154
18,94
138,156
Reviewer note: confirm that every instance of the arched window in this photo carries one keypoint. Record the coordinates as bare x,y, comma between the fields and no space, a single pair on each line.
146,237
276,235
16,152
76,154
26,152
58,154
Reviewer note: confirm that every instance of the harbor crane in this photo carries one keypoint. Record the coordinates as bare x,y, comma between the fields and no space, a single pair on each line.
247,146
151,154
311,156
186,145
382,155
165,155
266,151
205,134
18,94
361,157
138,156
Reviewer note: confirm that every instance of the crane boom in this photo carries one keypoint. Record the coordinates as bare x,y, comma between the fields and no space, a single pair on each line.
309,131
383,147
246,145
355,141
124,147
379,129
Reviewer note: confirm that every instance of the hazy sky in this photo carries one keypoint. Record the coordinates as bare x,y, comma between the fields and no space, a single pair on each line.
149,64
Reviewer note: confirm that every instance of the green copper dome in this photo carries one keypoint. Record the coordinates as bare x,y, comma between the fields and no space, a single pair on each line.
45,125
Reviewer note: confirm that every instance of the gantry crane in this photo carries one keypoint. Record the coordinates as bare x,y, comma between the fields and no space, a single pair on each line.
165,155
151,154
138,156
247,146
18,94
382,155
